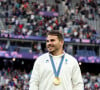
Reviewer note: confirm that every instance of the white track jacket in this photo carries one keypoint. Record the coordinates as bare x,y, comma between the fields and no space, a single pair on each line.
42,74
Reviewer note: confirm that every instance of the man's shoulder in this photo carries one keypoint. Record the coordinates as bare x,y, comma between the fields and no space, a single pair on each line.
43,56
70,57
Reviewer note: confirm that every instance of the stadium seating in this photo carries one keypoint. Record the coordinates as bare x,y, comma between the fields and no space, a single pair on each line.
26,18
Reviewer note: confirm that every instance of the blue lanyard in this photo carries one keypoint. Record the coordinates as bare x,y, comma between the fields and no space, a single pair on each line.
56,73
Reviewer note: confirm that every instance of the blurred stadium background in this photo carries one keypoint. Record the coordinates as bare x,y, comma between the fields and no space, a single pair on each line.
23,26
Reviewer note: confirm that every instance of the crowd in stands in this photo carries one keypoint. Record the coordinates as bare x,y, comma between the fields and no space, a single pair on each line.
15,79
22,17
91,81
78,27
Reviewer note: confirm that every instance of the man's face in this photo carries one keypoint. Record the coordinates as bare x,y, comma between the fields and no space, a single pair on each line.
53,44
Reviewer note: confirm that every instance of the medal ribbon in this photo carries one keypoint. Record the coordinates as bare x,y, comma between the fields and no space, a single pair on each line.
56,73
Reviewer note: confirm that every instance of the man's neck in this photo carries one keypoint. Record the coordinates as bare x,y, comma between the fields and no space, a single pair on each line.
57,53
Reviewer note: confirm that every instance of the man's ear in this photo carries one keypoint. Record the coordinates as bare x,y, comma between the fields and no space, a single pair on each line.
62,42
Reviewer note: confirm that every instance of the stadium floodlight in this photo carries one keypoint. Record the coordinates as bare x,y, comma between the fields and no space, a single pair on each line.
80,63
13,59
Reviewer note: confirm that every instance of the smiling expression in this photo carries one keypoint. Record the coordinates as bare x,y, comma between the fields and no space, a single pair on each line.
54,45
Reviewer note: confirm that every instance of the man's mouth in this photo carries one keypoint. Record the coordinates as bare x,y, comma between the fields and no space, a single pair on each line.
50,47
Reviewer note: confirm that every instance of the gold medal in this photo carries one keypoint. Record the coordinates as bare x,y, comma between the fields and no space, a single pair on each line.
56,81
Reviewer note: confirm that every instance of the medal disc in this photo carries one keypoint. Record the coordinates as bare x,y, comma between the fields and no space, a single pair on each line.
56,81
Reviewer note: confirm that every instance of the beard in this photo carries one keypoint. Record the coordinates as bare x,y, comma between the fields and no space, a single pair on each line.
52,49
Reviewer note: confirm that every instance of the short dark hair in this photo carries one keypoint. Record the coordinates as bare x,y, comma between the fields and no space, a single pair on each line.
56,33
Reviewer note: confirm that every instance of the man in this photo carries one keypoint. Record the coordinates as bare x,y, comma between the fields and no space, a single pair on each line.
56,70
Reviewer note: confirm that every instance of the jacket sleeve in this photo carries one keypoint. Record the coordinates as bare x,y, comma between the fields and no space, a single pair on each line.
34,80
77,80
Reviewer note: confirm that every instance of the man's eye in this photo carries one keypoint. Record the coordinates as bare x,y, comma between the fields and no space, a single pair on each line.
52,40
